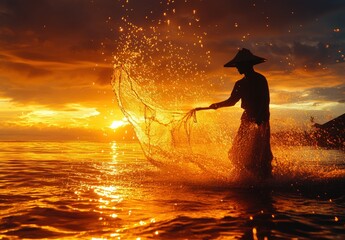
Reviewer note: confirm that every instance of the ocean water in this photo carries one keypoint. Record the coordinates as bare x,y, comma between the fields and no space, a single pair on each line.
88,190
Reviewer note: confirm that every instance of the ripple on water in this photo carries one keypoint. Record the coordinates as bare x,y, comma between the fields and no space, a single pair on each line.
118,193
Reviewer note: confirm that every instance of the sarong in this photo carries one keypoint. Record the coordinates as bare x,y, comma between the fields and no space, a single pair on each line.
251,149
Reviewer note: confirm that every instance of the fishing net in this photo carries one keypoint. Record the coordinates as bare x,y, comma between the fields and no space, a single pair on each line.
159,78
156,83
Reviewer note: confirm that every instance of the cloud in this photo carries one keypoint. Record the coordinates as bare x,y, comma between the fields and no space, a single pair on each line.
318,53
325,103
56,53
336,94
73,115
85,25
60,31
51,51
55,92
25,69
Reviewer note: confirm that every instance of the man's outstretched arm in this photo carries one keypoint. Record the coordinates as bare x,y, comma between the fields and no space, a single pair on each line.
231,101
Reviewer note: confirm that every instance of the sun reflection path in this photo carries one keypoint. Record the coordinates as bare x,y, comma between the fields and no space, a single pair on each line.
112,195
114,155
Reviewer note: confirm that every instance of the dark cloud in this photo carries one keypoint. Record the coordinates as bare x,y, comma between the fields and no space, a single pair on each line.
319,53
58,18
73,27
254,16
290,34
317,95
57,27
335,94
25,69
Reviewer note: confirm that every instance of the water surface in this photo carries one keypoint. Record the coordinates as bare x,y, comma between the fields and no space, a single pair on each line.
85,190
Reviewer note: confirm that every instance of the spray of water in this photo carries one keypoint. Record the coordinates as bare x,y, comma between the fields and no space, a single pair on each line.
153,83
157,80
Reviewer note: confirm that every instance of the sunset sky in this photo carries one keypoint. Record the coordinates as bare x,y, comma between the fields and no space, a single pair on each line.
56,58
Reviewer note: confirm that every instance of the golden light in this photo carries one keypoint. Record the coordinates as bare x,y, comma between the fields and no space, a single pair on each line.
118,123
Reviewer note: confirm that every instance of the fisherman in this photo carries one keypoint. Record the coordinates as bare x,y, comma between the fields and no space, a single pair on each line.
251,149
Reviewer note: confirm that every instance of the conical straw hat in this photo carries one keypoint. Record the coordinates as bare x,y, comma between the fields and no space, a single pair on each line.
244,56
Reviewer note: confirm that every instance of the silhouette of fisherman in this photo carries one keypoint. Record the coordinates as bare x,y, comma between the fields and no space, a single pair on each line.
251,150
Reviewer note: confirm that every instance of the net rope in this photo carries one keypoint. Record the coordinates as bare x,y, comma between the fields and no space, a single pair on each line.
151,70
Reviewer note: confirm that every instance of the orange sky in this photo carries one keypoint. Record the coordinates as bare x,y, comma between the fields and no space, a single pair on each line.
56,59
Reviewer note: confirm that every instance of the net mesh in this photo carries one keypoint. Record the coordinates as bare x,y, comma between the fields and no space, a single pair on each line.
158,78
153,83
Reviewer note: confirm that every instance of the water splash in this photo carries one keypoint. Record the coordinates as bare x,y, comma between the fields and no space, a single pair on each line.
169,139
155,76
151,72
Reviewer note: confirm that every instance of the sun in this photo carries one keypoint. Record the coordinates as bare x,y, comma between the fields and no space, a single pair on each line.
118,123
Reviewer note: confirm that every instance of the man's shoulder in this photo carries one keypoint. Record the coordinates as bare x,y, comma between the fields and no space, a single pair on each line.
260,76
240,81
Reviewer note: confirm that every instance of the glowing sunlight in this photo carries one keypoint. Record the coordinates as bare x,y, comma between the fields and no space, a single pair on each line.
118,123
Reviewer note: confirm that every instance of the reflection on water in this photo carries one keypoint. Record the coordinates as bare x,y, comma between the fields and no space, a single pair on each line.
109,191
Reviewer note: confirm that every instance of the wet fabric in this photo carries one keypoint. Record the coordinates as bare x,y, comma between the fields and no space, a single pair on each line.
251,150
